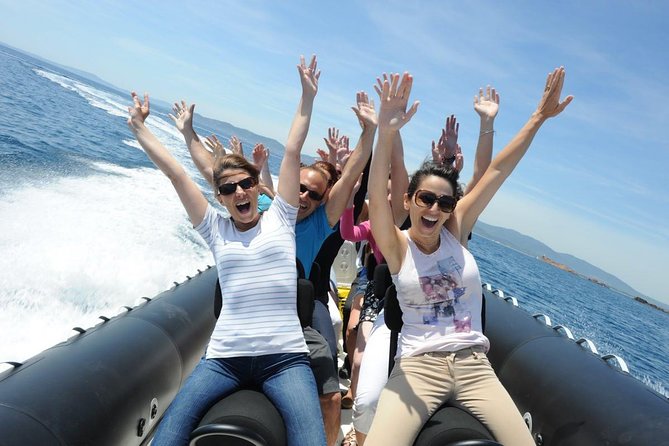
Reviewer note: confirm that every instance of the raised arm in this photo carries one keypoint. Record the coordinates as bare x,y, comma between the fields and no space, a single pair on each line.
470,207
203,159
392,116
349,231
190,195
487,106
347,227
289,173
261,160
342,189
398,172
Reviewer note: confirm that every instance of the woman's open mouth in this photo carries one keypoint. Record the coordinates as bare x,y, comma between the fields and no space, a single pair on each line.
429,222
243,207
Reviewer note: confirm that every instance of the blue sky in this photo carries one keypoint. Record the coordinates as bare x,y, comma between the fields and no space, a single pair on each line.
593,183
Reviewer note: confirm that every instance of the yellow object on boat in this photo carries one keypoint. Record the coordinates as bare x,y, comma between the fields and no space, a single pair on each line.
342,293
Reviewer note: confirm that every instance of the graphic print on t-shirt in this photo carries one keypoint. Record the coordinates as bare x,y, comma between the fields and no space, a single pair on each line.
442,292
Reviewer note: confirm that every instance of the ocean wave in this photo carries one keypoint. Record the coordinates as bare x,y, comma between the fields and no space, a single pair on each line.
87,245
132,143
97,98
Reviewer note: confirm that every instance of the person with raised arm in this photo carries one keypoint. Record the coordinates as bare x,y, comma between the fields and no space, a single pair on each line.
441,352
364,306
318,239
255,258
373,367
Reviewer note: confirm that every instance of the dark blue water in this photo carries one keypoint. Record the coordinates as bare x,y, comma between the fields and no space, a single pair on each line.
87,224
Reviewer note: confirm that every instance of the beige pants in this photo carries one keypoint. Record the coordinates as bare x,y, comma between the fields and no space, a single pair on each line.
419,385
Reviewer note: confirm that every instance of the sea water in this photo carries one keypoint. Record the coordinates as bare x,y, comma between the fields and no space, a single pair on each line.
88,225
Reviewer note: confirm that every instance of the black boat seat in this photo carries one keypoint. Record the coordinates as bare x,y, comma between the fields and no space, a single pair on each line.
245,418
449,425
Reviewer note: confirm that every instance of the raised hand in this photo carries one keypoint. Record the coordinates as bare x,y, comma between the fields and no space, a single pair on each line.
236,146
445,150
323,154
183,116
138,112
379,83
343,153
459,160
260,155
332,143
309,76
215,145
394,99
550,105
450,134
487,104
365,111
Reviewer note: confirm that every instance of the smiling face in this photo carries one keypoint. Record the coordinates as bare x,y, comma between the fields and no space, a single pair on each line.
242,203
313,180
426,222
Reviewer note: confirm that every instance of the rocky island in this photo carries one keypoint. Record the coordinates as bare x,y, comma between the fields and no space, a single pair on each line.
596,281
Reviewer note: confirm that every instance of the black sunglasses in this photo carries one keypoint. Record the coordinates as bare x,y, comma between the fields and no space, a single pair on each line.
426,199
230,188
312,194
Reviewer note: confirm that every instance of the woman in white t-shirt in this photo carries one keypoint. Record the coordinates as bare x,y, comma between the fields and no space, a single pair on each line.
257,340
441,352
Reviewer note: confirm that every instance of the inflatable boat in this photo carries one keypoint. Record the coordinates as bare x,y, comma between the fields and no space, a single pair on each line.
110,384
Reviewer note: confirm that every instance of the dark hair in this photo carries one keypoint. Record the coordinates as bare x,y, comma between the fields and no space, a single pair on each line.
428,168
329,169
233,161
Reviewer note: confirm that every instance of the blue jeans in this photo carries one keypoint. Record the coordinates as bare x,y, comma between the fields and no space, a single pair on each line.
286,379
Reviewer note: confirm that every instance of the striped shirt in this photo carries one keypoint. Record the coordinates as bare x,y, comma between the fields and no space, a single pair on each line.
256,269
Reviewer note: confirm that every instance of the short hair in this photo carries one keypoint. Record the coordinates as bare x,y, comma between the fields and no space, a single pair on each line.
233,161
331,170
428,168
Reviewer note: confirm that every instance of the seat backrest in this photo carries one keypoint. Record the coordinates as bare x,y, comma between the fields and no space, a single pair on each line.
382,279
393,312
370,265
305,301
383,286
300,269
321,287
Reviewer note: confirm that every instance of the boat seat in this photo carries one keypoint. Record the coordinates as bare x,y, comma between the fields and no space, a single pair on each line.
449,425
321,287
245,418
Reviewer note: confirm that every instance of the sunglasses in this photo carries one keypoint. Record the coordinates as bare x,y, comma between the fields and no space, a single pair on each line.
312,194
426,199
230,188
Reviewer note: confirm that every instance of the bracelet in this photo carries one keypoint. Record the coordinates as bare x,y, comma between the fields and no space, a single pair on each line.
485,132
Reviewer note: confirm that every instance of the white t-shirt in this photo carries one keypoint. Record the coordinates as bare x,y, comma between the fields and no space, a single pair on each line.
440,297
256,269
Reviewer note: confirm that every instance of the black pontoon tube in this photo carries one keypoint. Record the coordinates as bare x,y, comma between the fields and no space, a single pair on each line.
110,384
571,396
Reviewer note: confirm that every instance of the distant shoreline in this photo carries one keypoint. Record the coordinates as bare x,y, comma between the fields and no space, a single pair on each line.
598,282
